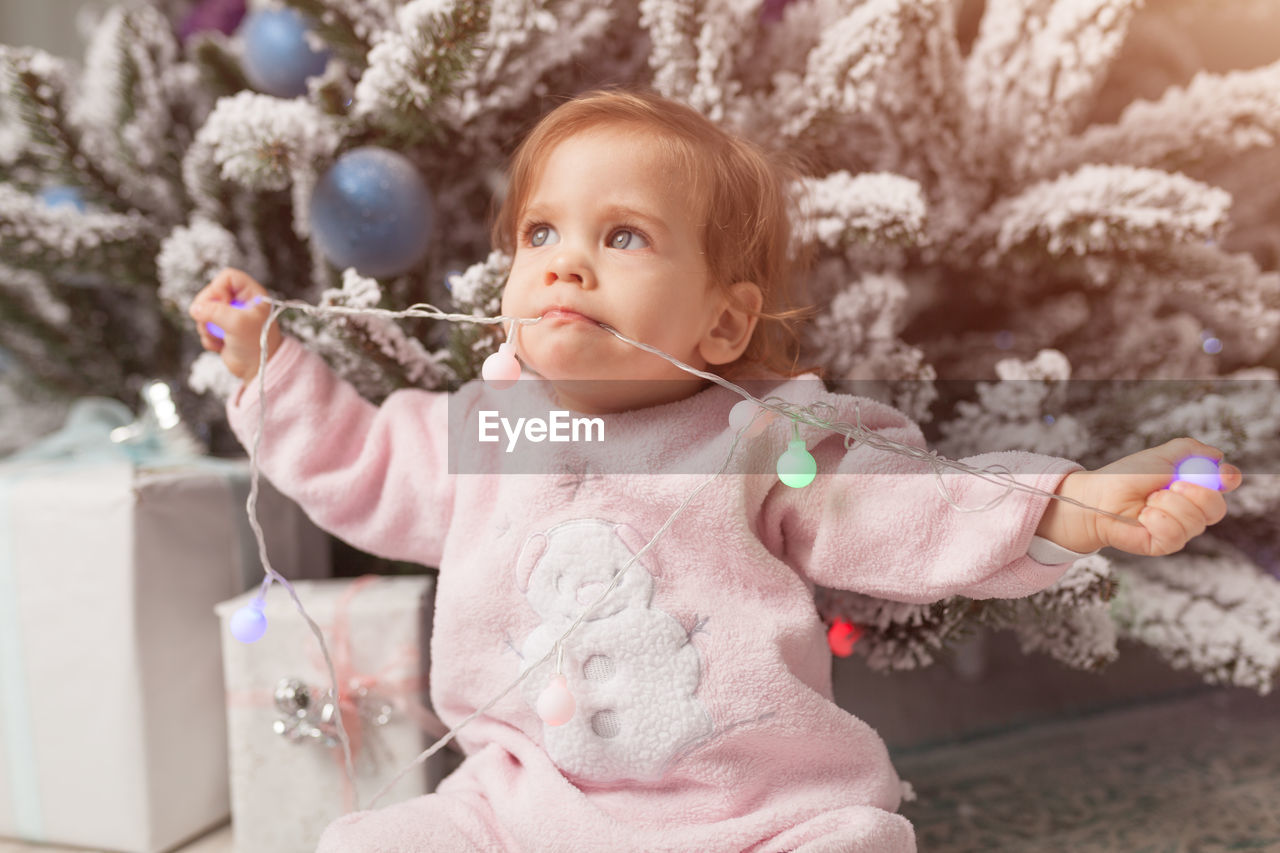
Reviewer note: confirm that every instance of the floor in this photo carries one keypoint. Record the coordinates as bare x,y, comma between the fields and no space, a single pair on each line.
218,841
1197,772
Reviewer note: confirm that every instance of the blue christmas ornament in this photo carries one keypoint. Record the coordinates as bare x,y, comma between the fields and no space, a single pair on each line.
372,211
277,58
61,196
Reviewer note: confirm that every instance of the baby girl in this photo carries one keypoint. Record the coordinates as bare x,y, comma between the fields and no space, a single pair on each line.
701,717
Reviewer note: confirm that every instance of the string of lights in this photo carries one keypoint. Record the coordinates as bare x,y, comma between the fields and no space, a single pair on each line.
796,468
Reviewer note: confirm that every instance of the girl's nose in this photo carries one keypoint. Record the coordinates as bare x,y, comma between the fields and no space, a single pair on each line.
570,267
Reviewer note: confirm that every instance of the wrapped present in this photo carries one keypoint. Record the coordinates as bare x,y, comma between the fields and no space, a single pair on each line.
288,768
112,556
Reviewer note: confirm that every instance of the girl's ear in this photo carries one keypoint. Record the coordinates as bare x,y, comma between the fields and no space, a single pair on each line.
731,329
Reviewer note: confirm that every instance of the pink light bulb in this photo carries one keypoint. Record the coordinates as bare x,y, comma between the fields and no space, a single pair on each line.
743,413
501,370
556,704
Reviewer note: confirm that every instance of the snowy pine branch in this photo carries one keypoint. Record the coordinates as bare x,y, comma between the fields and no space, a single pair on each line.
14,140
724,44
37,327
1071,621
189,259
838,209
126,108
1034,71
1226,290
371,353
843,72
870,309
1209,121
532,49
857,339
1015,413
1067,621
672,26
1241,417
1100,210
333,90
208,375
63,336
399,353
1211,611
477,290
700,50
220,69
347,27
890,70
261,144
59,241
38,86
901,636
416,64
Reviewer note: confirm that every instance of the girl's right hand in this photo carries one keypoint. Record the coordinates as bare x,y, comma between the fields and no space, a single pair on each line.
241,327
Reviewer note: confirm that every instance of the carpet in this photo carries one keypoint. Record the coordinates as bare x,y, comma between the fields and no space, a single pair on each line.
1191,774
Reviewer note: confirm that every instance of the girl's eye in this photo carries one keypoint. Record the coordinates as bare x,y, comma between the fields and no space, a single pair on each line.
542,235
625,238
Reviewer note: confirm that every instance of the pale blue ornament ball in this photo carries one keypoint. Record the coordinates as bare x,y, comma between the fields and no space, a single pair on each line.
63,196
372,211
277,58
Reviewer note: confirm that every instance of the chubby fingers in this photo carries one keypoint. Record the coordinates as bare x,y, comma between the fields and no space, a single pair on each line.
1173,517
200,311
216,319
1231,476
1193,504
232,284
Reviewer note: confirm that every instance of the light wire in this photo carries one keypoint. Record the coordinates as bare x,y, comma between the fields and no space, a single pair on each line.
852,432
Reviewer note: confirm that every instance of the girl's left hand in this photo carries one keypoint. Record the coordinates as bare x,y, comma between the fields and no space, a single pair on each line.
1169,513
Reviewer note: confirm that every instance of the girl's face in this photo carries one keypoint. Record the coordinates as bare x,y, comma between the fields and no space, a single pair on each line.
608,235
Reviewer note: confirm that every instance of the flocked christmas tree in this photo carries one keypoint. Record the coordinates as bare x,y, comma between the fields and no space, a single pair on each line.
984,204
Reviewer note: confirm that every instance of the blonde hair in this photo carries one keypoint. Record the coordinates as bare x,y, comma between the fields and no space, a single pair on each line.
746,233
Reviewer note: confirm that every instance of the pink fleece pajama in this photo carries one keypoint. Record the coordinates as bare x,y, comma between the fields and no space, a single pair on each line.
704,719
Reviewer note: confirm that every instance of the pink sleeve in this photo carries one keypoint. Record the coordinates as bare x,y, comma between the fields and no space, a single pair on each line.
875,522
375,476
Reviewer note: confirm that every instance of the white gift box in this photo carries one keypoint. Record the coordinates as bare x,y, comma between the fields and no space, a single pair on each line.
112,721
286,790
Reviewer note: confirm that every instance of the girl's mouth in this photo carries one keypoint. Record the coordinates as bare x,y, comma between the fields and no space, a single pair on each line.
566,315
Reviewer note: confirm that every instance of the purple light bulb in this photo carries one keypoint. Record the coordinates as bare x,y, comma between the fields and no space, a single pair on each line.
1200,471
249,623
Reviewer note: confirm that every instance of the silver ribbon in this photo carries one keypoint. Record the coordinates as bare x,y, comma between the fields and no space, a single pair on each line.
307,713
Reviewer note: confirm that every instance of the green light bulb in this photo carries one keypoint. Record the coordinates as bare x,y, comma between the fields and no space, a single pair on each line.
796,466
